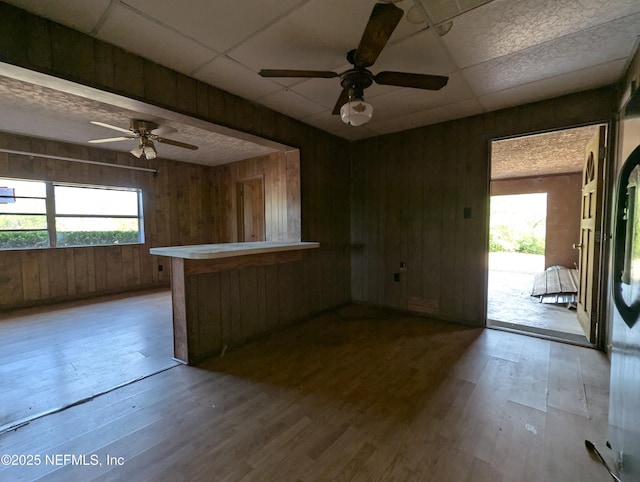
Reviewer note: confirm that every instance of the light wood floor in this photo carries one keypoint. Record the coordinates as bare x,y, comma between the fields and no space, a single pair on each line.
358,394
53,356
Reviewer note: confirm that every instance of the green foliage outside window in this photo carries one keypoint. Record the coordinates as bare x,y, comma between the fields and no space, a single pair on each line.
40,239
24,239
42,214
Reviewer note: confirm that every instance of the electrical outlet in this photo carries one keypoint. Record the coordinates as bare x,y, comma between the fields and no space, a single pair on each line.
396,277
160,267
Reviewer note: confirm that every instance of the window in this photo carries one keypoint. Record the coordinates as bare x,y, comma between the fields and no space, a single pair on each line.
36,214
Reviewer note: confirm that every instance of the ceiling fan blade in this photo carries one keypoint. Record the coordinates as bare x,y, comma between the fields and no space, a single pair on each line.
417,81
382,22
171,142
343,99
317,74
111,139
109,126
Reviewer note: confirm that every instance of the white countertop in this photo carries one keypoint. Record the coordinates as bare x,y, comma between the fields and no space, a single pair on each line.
228,250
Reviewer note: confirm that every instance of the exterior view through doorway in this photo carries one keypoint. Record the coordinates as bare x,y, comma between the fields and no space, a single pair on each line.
544,240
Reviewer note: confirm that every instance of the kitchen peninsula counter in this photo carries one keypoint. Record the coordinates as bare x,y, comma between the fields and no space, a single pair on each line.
211,285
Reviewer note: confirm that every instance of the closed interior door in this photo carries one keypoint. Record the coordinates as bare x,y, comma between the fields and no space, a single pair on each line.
250,206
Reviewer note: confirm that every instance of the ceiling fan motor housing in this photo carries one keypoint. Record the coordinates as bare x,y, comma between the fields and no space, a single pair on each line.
142,127
355,81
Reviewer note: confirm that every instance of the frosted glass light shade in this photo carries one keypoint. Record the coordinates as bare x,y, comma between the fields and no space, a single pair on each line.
356,112
145,148
150,152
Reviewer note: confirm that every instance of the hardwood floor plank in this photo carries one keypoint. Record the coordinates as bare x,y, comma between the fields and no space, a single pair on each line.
566,386
54,356
356,394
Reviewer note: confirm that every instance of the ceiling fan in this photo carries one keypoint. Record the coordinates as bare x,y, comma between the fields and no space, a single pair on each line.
146,132
351,105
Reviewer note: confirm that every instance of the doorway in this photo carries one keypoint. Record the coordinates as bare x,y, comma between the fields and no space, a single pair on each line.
542,212
250,209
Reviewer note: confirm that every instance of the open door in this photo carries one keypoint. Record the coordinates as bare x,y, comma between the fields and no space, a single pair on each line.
591,234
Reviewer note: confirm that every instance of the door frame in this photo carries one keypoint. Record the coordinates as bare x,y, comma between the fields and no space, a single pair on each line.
606,223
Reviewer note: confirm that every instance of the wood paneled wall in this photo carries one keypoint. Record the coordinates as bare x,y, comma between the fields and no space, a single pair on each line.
41,45
181,206
280,172
564,193
420,197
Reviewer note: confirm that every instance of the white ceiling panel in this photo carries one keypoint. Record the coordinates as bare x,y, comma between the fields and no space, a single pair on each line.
421,53
325,121
498,53
356,133
324,92
236,78
288,101
148,39
218,24
403,101
506,26
404,28
315,37
382,125
334,125
597,45
77,14
575,81
441,10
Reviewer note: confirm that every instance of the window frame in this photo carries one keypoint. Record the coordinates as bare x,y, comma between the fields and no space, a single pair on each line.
52,216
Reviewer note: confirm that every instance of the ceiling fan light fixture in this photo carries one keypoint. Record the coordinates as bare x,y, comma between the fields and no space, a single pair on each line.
137,151
356,112
150,152
145,148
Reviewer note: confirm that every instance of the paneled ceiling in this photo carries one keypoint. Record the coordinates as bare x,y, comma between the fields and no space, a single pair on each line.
497,54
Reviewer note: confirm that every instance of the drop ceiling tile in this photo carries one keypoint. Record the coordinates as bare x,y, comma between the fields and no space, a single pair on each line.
216,24
376,90
334,125
466,5
504,26
421,53
440,10
404,28
317,36
229,75
404,101
326,121
442,113
77,14
139,35
590,78
352,133
324,92
588,48
290,103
